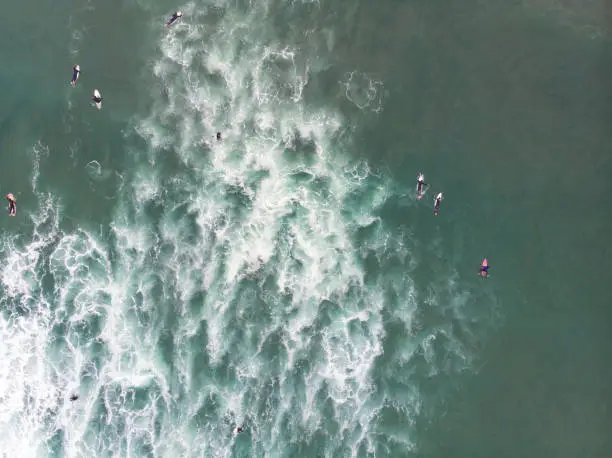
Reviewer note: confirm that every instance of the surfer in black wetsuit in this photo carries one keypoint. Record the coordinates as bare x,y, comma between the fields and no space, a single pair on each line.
12,205
97,99
420,185
218,136
437,204
76,70
173,18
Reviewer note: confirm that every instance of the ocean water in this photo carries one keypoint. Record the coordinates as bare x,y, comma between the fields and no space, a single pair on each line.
286,278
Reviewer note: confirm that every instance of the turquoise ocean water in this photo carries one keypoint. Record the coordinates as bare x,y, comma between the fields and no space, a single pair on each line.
285,277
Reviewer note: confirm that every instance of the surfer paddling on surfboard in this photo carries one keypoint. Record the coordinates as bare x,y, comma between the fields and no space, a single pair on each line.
421,185
173,18
437,201
97,98
76,70
484,268
12,206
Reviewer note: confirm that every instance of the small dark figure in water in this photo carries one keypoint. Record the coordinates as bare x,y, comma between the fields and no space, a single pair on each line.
241,429
12,205
76,70
173,18
420,185
437,201
218,135
74,397
484,268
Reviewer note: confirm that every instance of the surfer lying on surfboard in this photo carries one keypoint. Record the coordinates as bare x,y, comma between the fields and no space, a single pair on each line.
437,201
173,18
421,185
97,98
76,70
484,268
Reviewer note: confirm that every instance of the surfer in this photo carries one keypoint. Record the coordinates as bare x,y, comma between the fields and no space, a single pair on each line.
241,429
437,201
173,18
76,70
420,185
484,268
12,206
97,98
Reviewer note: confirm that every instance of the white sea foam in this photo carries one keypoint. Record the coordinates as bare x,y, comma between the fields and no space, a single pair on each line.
295,232
363,91
39,151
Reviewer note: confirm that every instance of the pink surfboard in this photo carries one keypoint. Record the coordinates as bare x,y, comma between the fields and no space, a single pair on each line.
485,263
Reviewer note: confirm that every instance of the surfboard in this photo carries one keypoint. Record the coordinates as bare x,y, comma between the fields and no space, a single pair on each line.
437,204
96,94
172,20
75,75
484,273
424,187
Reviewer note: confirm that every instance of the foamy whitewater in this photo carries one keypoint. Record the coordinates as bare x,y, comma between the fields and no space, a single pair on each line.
252,280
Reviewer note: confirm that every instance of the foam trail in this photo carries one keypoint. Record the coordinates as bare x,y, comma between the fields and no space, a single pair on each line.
273,241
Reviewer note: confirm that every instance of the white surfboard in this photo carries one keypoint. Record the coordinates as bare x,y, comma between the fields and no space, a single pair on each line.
97,95
420,179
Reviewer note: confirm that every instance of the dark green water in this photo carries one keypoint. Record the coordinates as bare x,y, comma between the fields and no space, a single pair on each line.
512,111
